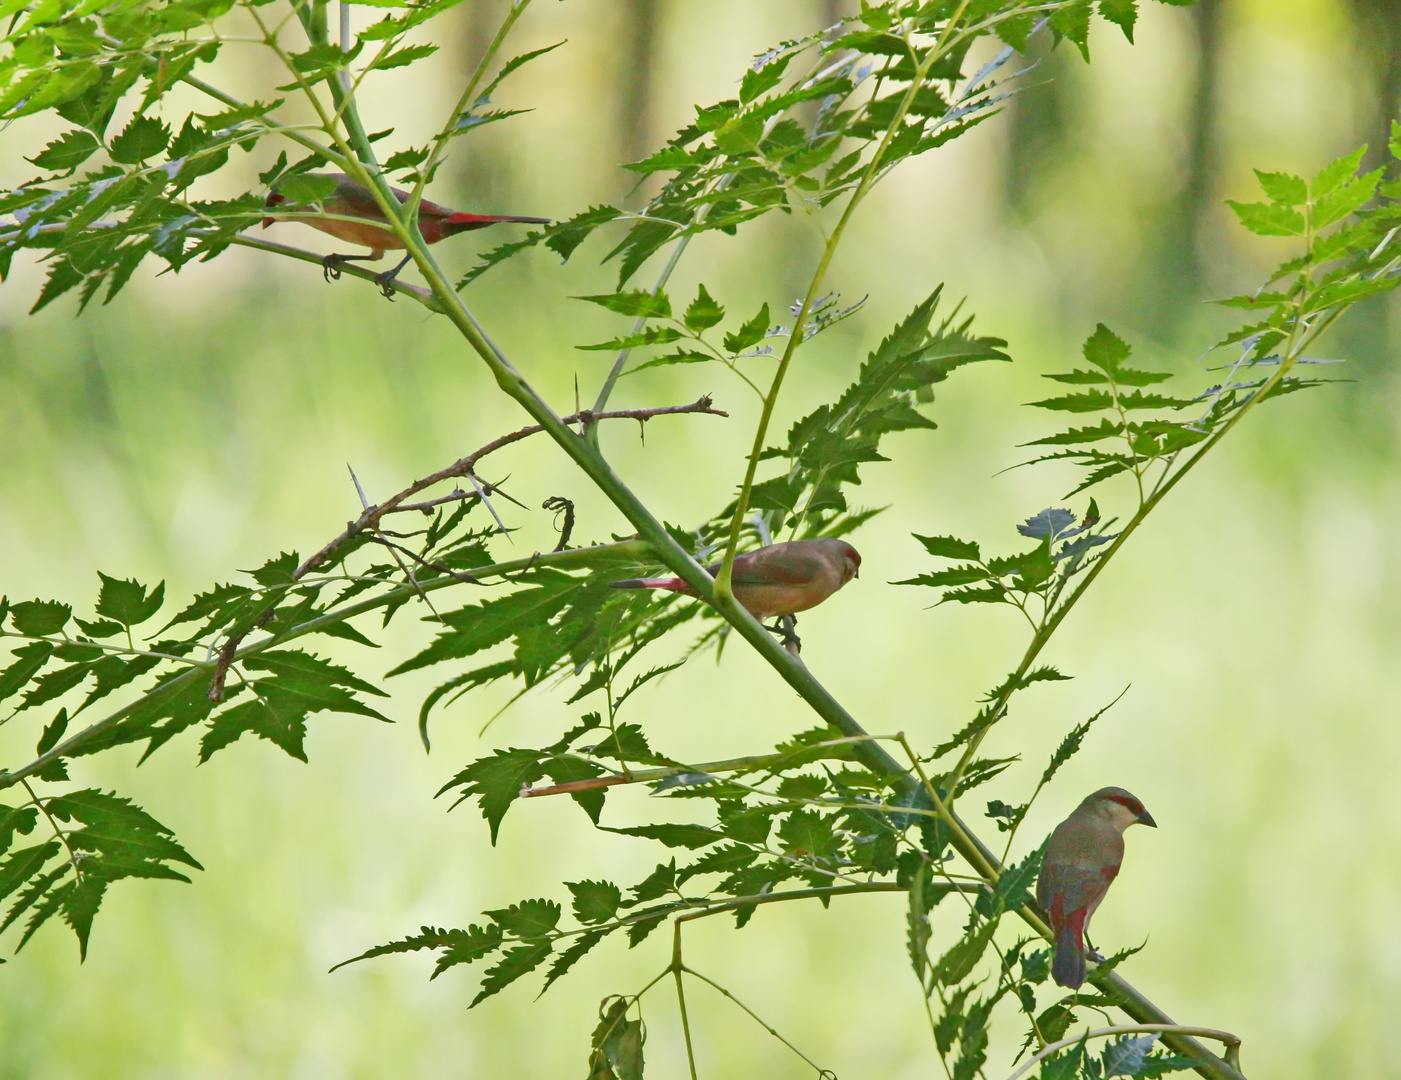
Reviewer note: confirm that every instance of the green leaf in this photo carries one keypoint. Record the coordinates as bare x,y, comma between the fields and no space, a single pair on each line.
462,946
627,743
1013,889
307,189
1283,188
762,78
658,883
52,733
1105,349
67,152
638,302
40,618
144,137
404,56
1122,13
1332,175
497,781
805,832
750,334
1076,436
703,312
516,962
479,626
1070,745
28,659
529,919
572,955
293,663
1156,1065
681,356
675,836
917,929
948,547
616,1047
653,335
128,602
956,964
1268,219
1344,200
595,901
1066,1064
1125,1056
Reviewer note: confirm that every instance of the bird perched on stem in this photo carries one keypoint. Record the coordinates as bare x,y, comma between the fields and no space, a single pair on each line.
1082,858
352,215
782,579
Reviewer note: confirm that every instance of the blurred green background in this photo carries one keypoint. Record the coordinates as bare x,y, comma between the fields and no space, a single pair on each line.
204,422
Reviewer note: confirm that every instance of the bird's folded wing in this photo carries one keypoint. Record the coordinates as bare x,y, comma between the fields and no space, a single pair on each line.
779,568
1076,885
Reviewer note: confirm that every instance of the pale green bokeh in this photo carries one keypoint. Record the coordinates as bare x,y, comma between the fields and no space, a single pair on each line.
203,423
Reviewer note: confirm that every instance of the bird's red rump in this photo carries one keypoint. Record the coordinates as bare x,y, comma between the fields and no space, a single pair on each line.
273,200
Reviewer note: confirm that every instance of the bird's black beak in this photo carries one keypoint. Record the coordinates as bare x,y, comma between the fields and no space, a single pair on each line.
1146,818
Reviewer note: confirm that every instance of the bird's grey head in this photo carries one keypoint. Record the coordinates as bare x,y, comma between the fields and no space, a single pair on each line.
851,560
1119,807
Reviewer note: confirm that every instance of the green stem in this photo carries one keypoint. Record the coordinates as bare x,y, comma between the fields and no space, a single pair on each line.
795,338
464,102
676,969
756,1018
1044,634
578,557
807,894
1231,1042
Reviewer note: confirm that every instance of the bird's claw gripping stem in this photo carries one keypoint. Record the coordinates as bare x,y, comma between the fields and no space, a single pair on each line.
784,631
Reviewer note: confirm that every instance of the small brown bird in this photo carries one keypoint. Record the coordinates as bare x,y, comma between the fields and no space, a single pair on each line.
371,230
782,579
1083,856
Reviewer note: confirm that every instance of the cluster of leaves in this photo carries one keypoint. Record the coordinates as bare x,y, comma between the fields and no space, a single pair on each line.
887,89
273,688
96,838
809,820
86,62
1129,1055
826,448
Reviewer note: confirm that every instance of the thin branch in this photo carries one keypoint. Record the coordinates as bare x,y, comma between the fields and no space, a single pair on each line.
369,519
1231,1042
808,894
62,836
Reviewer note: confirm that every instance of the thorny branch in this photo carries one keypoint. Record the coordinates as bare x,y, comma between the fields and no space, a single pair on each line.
464,467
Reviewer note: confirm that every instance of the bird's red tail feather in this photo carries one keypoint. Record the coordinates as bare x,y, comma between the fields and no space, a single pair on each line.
672,583
465,221
1068,965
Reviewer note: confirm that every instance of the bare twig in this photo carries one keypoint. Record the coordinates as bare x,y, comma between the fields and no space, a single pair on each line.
560,503
369,519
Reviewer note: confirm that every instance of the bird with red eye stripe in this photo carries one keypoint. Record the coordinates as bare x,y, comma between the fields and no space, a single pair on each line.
778,580
1082,858
353,215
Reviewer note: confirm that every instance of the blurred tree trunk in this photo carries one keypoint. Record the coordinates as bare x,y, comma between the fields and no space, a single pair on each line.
1377,28
1037,123
1174,275
830,11
1367,334
636,80
484,177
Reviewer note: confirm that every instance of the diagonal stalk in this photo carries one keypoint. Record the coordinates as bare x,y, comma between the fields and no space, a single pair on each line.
795,338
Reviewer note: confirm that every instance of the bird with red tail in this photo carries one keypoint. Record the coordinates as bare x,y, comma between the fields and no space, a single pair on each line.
1082,858
778,580
352,215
